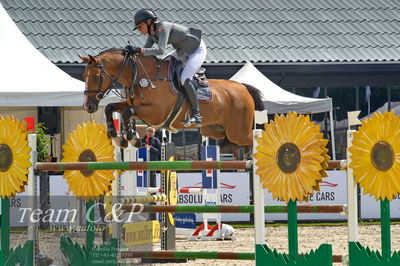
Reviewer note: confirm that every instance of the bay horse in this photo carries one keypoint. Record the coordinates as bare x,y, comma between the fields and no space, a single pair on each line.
229,115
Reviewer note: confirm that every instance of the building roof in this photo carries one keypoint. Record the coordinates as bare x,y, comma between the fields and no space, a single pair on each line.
262,31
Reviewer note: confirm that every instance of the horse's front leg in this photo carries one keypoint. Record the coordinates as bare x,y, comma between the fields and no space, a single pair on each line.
130,126
111,131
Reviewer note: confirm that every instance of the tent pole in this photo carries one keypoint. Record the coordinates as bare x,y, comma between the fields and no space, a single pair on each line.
332,134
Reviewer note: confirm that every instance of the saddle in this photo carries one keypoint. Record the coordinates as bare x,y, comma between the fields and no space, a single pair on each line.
203,92
175,70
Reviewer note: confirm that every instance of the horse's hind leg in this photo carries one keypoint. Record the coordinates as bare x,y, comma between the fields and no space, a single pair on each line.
216,132
240,131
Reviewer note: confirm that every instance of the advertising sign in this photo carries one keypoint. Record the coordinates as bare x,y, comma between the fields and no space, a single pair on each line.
370,208
333,192
235,190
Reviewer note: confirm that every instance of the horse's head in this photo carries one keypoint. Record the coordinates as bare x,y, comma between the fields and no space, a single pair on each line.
100,73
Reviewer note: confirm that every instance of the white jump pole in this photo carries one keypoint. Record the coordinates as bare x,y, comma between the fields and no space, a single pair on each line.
333,141
116,195
351,185
32,191
258,196
258,191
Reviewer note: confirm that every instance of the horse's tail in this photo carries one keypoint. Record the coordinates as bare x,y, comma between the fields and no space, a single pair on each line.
256,95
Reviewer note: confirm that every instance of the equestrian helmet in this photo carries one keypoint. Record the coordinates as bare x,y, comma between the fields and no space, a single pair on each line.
143,15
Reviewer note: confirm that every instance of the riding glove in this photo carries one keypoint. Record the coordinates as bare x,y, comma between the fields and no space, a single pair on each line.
129,49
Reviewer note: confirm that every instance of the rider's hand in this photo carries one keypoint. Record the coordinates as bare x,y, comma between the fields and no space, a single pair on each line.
129,49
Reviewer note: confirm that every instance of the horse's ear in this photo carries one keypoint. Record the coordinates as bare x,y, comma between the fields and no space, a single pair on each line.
84,58
88,59
93,60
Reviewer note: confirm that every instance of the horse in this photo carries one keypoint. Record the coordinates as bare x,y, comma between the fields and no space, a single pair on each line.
229,116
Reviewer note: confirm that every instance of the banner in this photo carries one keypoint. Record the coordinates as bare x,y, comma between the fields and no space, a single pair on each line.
333,192
185,220
370,208
235,190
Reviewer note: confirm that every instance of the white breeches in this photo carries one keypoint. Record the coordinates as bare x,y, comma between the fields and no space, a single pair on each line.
191,63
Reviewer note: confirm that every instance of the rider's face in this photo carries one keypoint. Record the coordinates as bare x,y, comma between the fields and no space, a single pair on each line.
142,27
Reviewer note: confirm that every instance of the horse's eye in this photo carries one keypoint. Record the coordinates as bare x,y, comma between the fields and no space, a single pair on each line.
96,77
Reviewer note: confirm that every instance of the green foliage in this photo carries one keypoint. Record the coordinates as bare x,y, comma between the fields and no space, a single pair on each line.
318,257
360,256
21,255
77,255
42,143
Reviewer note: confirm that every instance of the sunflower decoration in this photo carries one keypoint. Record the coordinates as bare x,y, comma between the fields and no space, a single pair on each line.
291,157
89,143
14,157
375,155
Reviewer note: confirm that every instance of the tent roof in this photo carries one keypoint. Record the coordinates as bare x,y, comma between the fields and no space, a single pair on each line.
266,31
28,78
277,100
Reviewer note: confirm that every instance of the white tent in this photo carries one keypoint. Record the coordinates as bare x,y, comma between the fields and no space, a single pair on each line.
277,100
28,78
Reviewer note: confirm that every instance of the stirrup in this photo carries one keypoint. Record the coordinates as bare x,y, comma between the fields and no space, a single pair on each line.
196,121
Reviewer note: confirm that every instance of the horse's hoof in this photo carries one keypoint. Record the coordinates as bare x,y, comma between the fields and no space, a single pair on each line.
121,142
139,143
136,142
129,136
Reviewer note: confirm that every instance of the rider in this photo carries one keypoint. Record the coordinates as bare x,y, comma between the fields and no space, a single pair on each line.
189,48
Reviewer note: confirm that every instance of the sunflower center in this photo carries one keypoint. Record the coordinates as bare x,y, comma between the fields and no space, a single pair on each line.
87,156
6,157
288,157
382,156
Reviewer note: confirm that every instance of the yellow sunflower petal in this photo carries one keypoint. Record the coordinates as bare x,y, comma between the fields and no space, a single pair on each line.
15,157
92,139
296,131
380,181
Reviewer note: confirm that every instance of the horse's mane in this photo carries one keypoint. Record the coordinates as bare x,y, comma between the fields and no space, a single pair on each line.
120,50
111,50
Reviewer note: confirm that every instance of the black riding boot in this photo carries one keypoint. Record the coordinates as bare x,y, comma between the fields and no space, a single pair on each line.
195,118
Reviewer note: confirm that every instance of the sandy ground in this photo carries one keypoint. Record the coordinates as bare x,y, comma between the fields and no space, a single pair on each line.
310,237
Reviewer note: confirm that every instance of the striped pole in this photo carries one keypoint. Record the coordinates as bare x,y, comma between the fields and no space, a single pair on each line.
191,190
231,208
144,199
159,165
337,164
153,189
188,255
198,255
187,190
156,165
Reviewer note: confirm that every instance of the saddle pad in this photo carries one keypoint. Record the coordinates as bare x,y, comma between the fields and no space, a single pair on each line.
204,94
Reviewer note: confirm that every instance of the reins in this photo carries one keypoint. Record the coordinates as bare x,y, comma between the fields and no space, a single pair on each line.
100,94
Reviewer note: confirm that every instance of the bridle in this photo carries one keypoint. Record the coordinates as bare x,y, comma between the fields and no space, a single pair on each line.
99,93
